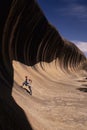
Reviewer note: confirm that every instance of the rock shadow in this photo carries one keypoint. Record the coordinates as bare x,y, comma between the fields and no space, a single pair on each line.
12,116
84,85
82,89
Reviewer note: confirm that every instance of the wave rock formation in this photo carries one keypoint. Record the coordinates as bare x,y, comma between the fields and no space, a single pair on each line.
26,36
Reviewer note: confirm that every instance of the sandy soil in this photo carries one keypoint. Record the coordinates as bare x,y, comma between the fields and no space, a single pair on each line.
58,101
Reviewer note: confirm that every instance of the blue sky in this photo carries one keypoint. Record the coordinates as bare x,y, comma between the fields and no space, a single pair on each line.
70,19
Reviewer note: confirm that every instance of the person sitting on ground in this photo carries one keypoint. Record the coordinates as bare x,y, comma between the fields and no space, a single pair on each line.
27,83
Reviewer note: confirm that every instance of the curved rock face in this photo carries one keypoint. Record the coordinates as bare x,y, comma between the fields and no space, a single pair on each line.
27,36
